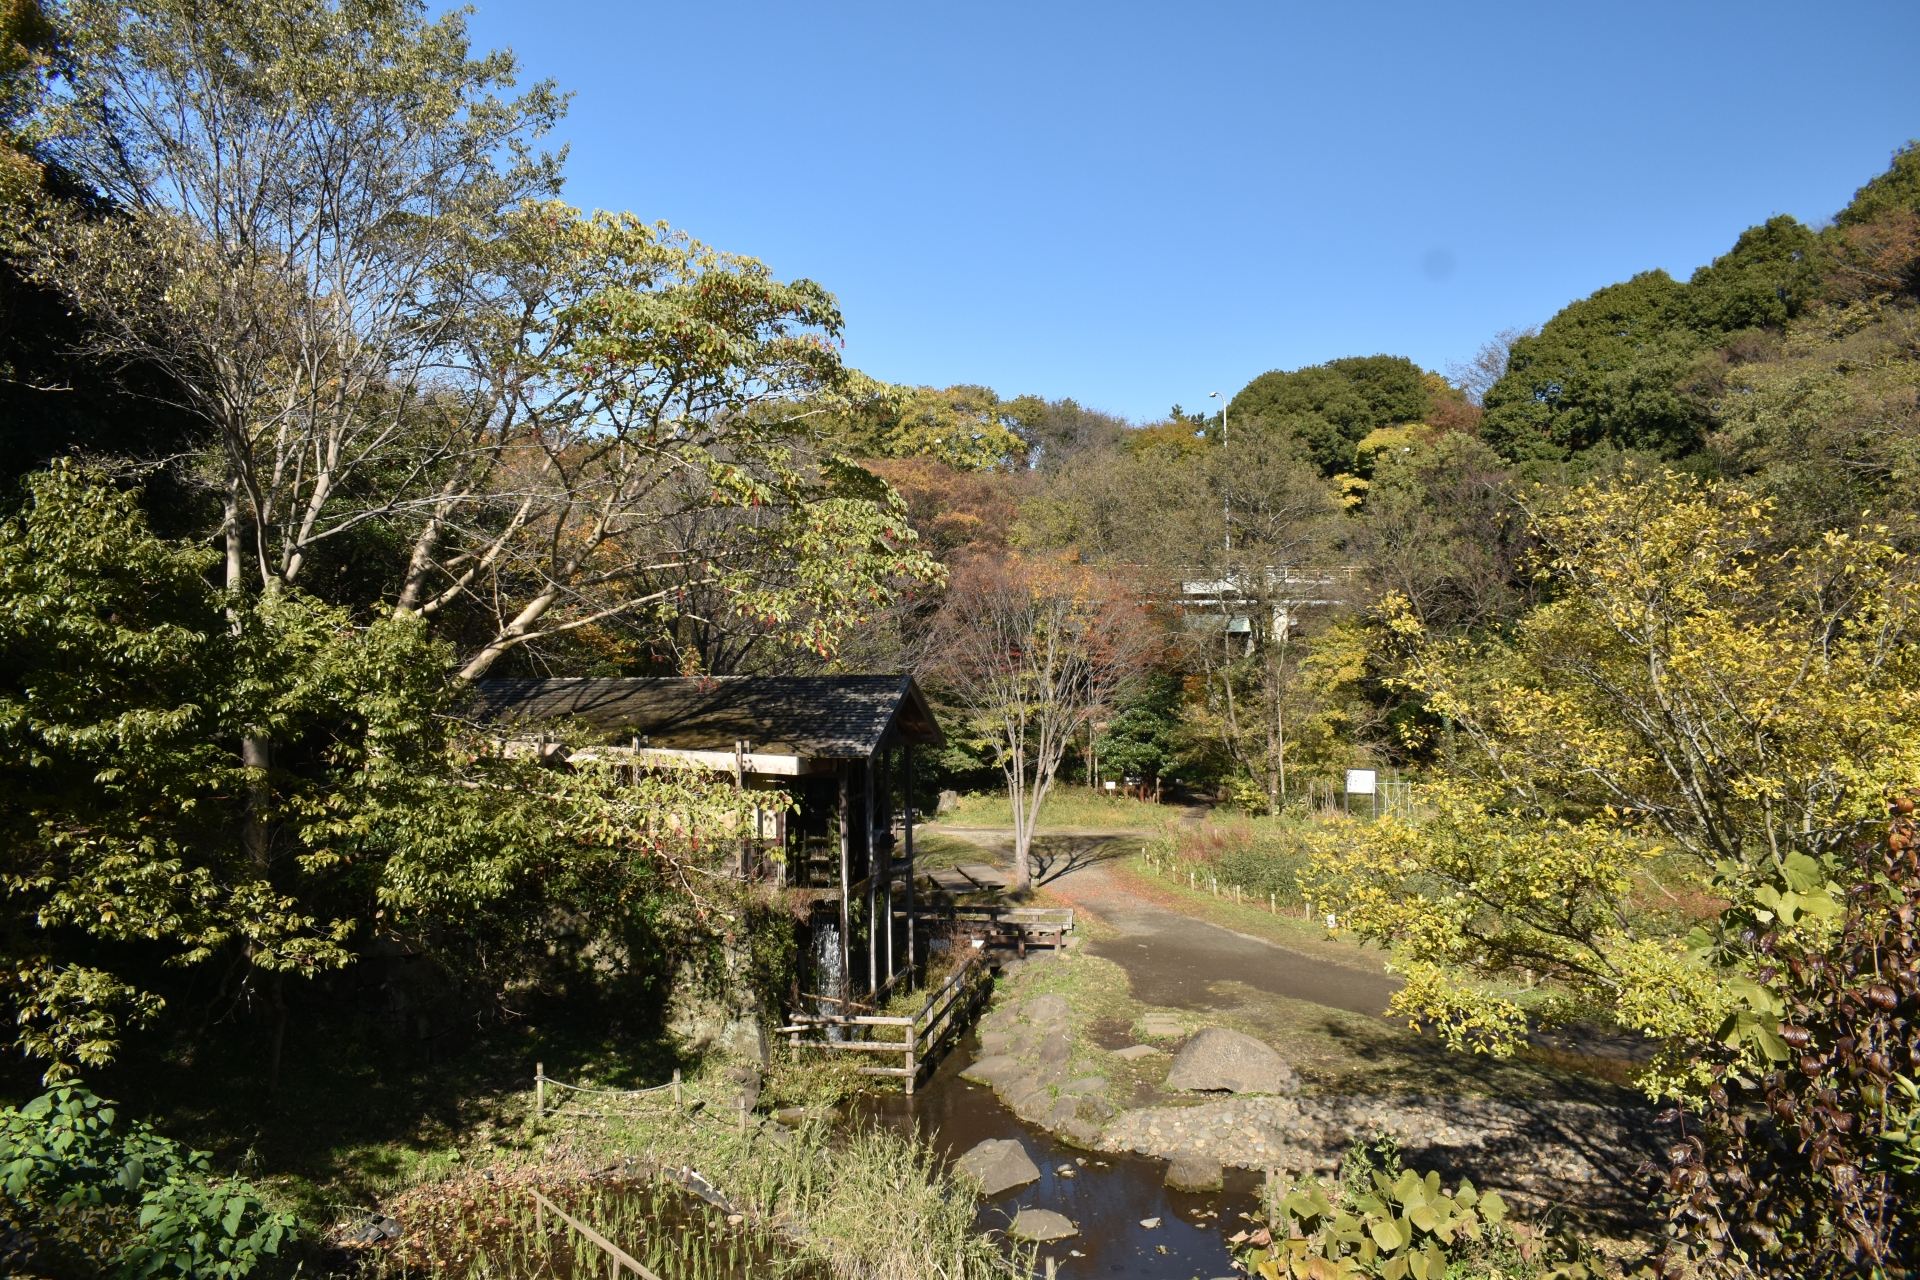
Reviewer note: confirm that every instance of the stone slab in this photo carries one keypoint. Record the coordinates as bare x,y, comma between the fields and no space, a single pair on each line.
996,1068
1195,1173
999,1165
1041,1225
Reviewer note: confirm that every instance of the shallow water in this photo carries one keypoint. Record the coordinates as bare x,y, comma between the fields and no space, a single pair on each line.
1107,1203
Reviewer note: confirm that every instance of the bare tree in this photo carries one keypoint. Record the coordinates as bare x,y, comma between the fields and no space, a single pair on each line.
297,188
1037,651
1489,364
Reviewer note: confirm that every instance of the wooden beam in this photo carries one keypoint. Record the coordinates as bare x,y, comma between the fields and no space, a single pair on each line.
846,873
907,829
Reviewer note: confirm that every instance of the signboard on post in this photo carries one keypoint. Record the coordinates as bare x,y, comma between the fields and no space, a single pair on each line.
1363,782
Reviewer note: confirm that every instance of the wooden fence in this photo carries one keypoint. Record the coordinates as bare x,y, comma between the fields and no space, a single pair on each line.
945,1010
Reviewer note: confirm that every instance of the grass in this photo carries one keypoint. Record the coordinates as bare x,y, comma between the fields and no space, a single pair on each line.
814,1202
1067,806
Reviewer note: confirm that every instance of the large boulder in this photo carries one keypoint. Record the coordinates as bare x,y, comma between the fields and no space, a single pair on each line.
1216,1058
1041,1225
999,1164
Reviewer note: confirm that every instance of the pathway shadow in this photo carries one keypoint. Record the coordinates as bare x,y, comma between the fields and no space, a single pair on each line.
1056,856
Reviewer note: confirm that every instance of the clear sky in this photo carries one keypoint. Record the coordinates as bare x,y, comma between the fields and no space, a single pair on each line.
1135,205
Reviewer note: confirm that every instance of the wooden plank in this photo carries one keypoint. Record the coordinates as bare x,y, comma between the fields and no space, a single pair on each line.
951,881
983,875
856,1046
883,1071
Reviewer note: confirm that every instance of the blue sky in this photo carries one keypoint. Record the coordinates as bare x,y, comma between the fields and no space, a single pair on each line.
1135,205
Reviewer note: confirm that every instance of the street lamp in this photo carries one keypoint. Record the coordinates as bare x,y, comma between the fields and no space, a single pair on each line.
1226,516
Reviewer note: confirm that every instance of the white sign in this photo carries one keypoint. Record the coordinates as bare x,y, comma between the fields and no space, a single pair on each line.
1360,782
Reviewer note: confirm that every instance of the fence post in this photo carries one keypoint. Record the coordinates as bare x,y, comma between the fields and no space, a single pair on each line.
676,1086
539,1090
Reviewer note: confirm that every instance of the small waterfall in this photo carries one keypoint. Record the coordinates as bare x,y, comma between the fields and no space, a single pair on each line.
827,976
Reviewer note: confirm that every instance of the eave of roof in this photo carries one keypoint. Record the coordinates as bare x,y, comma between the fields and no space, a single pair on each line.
823,717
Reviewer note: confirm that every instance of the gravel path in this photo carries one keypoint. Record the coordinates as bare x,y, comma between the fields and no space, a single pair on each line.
1173,960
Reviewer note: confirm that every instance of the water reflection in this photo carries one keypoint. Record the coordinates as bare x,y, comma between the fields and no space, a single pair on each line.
1107,1197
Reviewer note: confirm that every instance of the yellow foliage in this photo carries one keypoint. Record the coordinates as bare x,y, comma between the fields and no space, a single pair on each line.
1690,684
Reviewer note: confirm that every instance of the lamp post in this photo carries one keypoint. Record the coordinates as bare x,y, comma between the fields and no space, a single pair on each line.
1226,515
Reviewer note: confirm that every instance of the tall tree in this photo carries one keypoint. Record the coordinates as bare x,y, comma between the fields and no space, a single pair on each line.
1036,651
1332,407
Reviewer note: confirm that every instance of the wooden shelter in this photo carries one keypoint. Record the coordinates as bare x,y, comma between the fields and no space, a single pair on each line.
841,746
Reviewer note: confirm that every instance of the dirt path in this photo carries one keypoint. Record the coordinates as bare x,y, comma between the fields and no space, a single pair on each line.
1173,959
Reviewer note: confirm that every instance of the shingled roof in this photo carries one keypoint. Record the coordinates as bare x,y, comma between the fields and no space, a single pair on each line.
824,717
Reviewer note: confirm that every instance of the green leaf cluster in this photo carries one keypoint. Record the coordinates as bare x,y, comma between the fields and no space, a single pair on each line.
1398,1228
1334,406
126,1200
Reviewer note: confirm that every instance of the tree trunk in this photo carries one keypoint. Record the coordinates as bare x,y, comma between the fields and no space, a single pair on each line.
278,986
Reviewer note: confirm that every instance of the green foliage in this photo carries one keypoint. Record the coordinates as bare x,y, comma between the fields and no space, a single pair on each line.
1607,368
967,427
1896,189
1141,739
1804,1162
141,1204
1392,1228
131,821
1334,406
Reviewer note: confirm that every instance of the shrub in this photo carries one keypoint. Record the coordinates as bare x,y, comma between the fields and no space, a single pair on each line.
82,1199
1810,1167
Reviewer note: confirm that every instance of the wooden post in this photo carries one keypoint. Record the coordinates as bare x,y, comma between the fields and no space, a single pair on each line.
873,891
846,889
907,768
913,1043
676,1086
539,1089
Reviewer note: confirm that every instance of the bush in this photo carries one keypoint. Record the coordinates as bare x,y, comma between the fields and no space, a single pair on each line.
1382,1221
1810,1167
1262,858
81,1199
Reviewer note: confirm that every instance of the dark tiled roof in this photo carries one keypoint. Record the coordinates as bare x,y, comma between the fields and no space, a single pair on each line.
831,717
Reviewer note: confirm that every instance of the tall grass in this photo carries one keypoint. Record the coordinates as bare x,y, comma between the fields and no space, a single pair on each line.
861,1203
493,1228
1263,860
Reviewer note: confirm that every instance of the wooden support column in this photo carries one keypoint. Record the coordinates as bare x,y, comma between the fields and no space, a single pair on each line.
906,751
873,891
846,891
886,820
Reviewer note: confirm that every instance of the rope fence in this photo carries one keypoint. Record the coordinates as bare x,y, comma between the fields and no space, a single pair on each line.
541,1081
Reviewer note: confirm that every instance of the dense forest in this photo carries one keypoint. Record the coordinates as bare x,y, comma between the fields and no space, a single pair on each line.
321,404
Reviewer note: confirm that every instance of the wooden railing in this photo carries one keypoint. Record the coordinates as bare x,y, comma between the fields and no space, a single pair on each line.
1019,927
942,1013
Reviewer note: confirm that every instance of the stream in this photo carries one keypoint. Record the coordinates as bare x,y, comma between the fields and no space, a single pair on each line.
1107,1197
